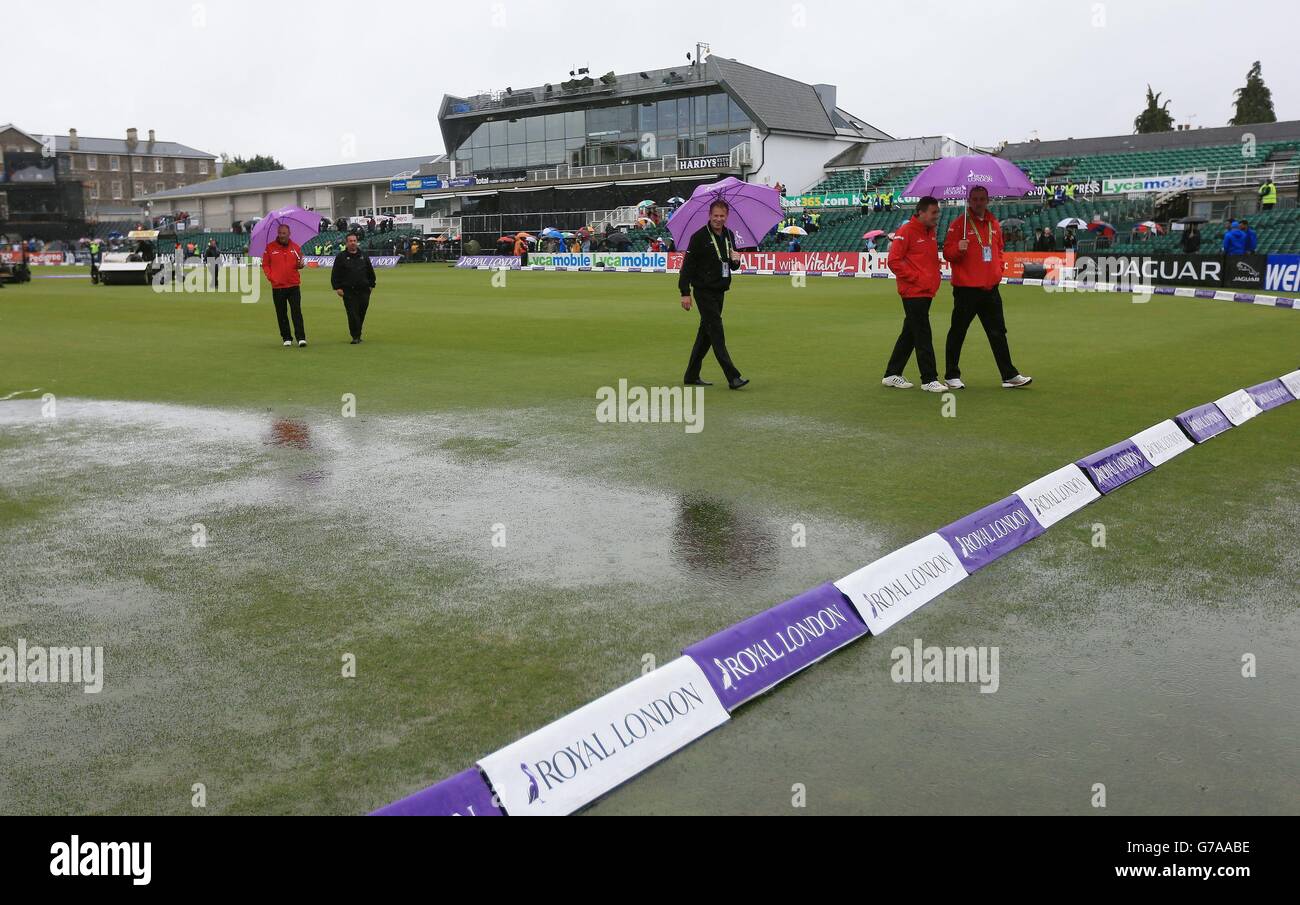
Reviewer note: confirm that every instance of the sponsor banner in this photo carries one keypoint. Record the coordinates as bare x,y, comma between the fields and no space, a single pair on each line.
1282,273
745,660
1244,272
579,757
830,199
1238,407
1188,270
1091,187
899,584
993,531
1270,394
1115,466
427,183
1013,262
877,264
508,262
1292,382
328,260
1161,442
1143,184
33,257
462,795
600,259
1203,422
710,162
1061,493
795,261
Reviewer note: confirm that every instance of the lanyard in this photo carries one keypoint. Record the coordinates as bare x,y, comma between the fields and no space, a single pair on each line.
976,231
725,241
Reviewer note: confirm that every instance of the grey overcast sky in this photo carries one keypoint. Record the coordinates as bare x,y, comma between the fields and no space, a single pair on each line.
327,82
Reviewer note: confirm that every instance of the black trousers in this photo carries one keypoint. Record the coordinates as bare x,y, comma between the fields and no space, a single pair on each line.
915,335
286,300
969,303
214,266
356,302
710,335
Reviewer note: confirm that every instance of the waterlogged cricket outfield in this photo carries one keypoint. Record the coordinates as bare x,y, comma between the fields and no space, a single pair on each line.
324,578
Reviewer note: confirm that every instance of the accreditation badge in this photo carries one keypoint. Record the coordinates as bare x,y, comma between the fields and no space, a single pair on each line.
726,271
988,254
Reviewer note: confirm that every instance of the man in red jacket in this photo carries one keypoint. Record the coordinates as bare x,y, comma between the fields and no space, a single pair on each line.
914,259
281,262
974,249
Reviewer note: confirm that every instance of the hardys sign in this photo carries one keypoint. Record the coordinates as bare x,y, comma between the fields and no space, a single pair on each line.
750,657
579,757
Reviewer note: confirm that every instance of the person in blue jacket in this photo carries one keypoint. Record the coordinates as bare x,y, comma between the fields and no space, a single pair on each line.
1252,240
1234,240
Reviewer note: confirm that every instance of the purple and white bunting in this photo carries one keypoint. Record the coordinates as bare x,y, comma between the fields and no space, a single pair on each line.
1161,442
1115,466
1238,407
902,582
992,532
1292,382
748,658
1270,394
462,795
1203,422
1061,493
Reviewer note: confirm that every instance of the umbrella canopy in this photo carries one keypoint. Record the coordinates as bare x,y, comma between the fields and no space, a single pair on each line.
1104,228
755,209
523,236
1072,221
646,203
644,221
954,177
566,235
550,233
505,239
793,231
1014,221
872,233
619,238
1150,226
676,199
303,226
1193,220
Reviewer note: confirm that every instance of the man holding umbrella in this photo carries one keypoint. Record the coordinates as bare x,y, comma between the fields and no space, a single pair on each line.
707,267
281,262
701,225
974,249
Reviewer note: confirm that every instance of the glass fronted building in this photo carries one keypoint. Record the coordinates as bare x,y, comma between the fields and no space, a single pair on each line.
707,123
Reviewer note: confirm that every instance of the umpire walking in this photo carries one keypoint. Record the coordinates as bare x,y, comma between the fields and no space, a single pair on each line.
914,259
710,256
974,249
353,276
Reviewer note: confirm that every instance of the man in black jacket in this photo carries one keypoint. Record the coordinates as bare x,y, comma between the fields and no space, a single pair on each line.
212,261
710,257
353,276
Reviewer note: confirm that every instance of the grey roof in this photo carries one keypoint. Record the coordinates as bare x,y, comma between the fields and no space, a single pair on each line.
90,145
779,103
897,151
364,171
843,119
1154,141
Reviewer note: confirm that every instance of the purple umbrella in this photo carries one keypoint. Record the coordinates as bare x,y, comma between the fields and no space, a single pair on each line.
953,177
755,209
303,225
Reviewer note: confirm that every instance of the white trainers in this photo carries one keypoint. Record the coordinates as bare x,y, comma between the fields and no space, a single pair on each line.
1020,380
288,342
935,386
301,343
896,381
954,383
